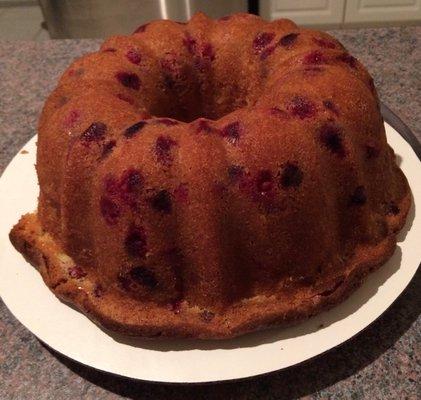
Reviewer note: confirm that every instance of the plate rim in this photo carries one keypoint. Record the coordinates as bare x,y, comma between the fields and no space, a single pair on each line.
397,123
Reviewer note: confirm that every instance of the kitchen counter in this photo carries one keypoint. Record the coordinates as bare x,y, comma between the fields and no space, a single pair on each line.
382,362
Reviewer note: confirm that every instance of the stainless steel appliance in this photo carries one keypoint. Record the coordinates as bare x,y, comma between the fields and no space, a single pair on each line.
102,18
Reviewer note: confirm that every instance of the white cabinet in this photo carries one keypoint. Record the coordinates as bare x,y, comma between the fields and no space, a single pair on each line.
304,12
338,12
382,10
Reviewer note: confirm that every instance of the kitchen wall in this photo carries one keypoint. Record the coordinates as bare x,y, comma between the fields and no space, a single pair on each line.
21,20
344,13
24,20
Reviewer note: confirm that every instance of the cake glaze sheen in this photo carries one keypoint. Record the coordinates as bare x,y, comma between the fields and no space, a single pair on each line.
212,178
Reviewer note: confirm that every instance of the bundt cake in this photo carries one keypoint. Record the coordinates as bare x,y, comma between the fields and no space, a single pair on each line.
211,178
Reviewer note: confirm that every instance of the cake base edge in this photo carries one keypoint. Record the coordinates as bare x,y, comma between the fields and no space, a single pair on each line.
120,314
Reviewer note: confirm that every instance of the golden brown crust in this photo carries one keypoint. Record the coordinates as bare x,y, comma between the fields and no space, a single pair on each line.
112,310
269,208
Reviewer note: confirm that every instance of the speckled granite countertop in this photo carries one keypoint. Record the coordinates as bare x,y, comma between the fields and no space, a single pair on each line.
383,362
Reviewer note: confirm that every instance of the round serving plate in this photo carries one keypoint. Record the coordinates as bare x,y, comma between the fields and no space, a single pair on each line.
193,361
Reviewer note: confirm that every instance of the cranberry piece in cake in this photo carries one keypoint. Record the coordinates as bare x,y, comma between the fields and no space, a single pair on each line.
330,136
264,182
330,105
267,52
315,57
108,148
359,197
128,79
76,272
371,151
207,316
135,242
262,40
301,107
134,129
392,209
163,147
143,276
134,56
291,176
130,187
190,43
162,202
98,290
232,132
204,126
72,118
235,173
348,59
111,185
131,181
96,131
207,51
288,40
110,210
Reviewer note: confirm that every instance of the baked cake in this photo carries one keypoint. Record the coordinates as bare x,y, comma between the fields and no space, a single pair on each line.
211,178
